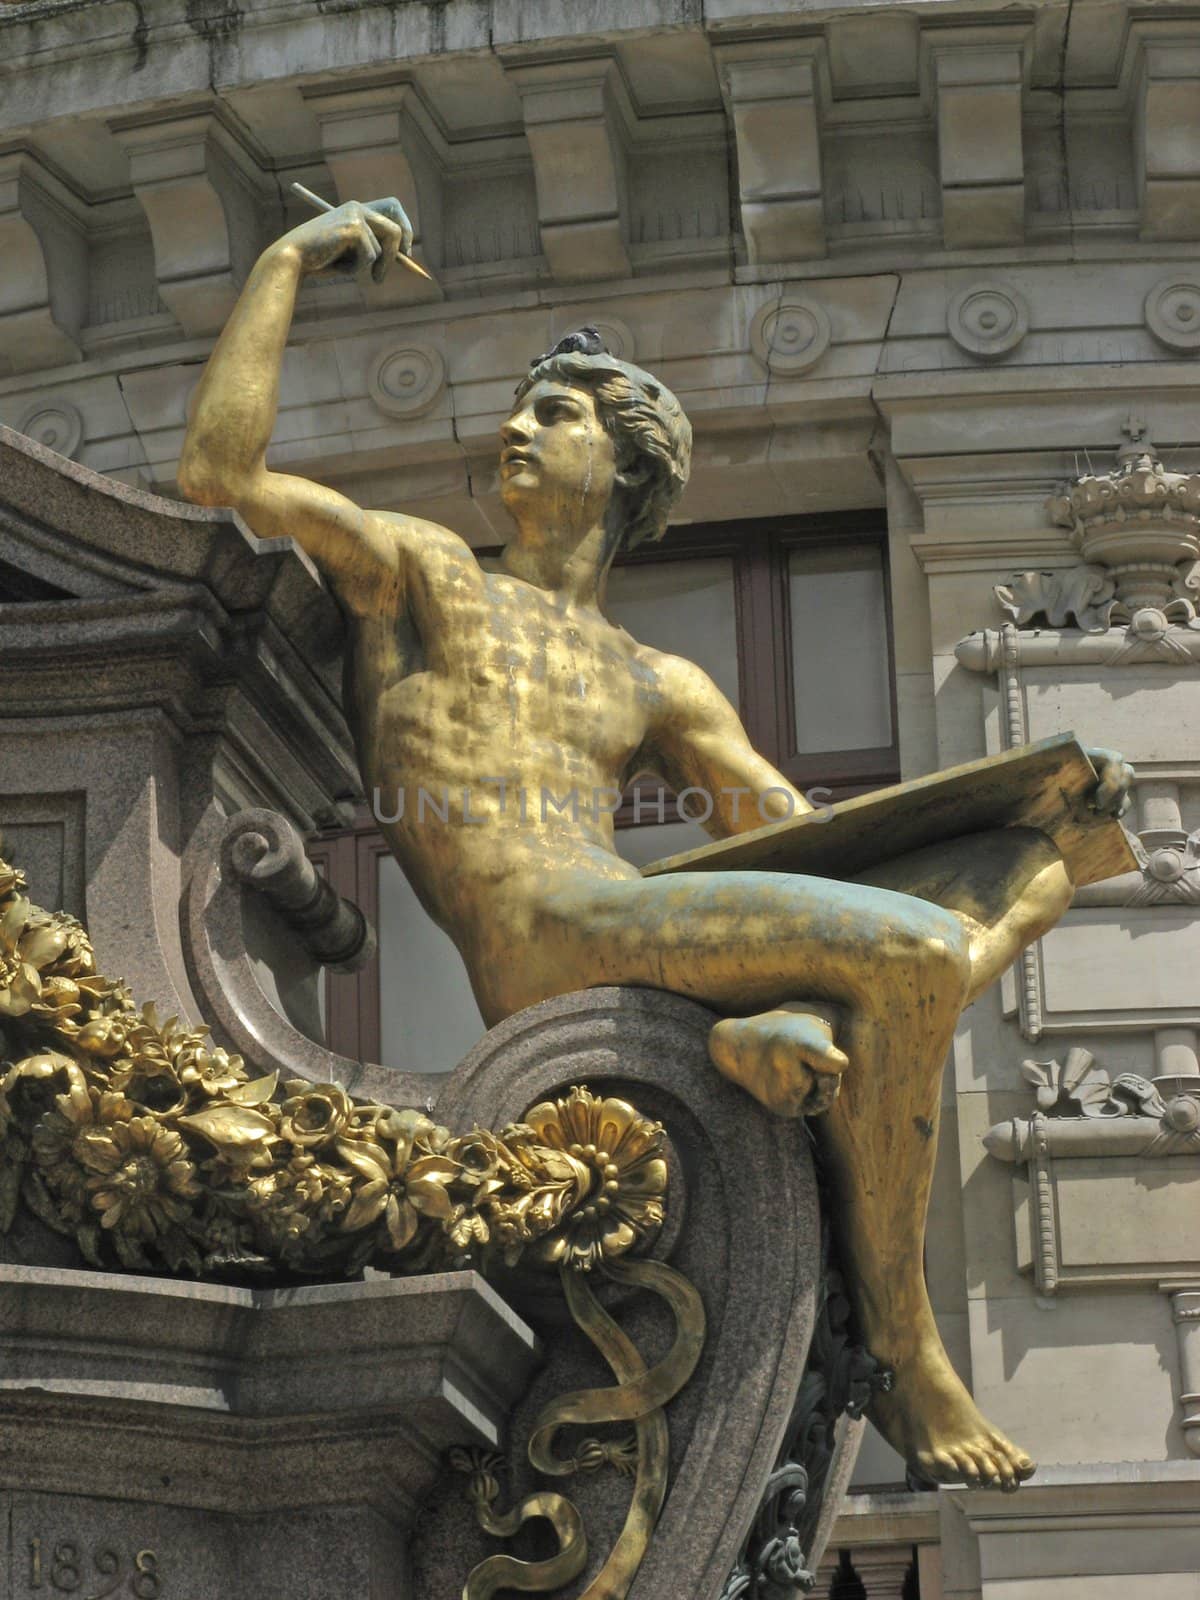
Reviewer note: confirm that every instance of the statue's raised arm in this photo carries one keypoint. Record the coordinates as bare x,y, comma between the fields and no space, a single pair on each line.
224,453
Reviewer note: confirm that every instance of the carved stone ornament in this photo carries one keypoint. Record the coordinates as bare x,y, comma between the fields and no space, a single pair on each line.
987,320
1082,1118
790,336
55,423
1142,524
406,380
1138,531
1125,1115
1085,595
1172,312
155,1151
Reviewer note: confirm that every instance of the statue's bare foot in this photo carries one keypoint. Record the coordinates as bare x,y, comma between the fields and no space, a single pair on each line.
931,1420
786,1059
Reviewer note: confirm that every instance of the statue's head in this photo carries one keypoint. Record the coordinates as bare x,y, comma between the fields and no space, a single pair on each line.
652,439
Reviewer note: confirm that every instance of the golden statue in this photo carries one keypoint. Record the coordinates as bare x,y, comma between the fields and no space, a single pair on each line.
504,688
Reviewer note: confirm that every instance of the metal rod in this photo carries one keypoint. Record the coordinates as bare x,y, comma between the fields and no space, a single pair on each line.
326,205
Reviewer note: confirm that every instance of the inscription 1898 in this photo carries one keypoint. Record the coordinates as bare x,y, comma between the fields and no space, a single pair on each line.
101,1573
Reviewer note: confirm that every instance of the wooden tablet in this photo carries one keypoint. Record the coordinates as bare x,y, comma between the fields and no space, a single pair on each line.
1045,785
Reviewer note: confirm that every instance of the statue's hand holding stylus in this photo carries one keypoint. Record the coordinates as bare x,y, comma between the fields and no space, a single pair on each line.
351,238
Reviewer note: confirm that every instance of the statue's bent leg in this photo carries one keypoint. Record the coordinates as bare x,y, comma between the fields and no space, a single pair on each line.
747,943
899,969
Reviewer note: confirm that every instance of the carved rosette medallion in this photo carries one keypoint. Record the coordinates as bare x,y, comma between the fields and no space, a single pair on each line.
55,423
406,381
987,320
790,336
1172,312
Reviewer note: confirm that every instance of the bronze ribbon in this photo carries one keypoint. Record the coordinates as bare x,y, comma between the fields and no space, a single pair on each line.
530,1577
639,1397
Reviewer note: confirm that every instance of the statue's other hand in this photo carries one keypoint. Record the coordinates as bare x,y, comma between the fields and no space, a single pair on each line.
1112,797
353,236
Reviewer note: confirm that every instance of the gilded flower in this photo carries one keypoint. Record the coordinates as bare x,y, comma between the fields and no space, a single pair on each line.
104,1037
141,1179
466,1228
315,1113
287,1202
12,880
398,1189
487,1162
58,1004
622,1153
212,1070
150,1082
33,1083
58,1142
24,949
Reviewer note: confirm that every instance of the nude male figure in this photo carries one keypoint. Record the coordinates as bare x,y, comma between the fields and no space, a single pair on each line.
460,678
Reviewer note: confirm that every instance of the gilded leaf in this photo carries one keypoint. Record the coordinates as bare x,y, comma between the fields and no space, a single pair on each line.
230,1125
253,1094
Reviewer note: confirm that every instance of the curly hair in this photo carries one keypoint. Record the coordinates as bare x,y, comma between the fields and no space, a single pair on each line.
643,418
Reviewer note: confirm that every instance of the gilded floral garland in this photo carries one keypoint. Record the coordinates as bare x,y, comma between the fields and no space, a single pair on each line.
154,1149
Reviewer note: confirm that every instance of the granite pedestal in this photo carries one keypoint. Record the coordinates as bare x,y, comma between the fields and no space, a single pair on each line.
191,1440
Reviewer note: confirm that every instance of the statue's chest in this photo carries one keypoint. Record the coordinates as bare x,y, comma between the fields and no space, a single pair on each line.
574,680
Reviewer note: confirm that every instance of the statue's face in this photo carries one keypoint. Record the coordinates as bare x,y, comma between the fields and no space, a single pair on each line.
557,459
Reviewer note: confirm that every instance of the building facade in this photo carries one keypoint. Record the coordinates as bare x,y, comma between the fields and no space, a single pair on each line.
926,279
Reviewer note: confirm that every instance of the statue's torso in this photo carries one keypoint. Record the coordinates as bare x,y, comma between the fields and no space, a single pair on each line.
484,677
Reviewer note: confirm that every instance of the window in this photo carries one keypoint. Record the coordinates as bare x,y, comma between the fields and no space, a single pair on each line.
791,619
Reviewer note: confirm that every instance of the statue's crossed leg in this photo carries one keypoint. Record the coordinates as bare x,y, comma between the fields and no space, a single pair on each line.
899,958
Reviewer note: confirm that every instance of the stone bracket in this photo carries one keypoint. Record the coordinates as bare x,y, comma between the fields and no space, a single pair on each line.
771,92
1167,133
380,141
43,287
573,124
205,199
978,75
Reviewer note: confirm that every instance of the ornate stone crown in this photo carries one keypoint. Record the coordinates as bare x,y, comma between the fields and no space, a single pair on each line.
1141,522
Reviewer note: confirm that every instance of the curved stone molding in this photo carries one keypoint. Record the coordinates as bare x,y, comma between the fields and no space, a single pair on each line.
55,423
1172,312
790,336
406,380
745,1232
987,320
